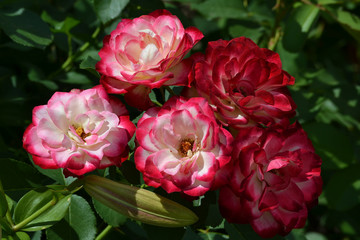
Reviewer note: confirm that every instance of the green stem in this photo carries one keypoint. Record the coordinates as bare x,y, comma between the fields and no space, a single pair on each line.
172,93
75,185
70,45
69,60
275,39
8,216
104,233
282,9
20,225
157,103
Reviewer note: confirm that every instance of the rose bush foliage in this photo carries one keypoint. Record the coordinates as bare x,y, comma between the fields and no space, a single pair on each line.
230,129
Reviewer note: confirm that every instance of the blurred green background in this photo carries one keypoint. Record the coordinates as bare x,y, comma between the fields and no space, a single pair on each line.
48,46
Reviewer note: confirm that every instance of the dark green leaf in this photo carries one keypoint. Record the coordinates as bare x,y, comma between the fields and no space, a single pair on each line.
18,175
109,215
89,64
326,2
3,204
5,226
190,235
36,235
350,22
36,75
109,9
16,236
315,236
76,78
26,28
243,232
221,9
161,233
63,26
55,174
244,30
333,145
209,235
343,190
298,26
141,7
49,207
78,224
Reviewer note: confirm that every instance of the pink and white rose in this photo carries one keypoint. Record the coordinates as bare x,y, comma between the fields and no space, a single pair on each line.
182,148
244,83
79,131
145,53
275,179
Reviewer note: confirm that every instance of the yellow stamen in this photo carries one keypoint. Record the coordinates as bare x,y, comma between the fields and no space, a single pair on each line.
80,132
186,146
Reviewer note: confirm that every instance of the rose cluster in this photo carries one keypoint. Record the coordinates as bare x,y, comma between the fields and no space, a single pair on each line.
230,129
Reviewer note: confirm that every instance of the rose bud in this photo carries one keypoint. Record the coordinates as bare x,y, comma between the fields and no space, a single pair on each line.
138,204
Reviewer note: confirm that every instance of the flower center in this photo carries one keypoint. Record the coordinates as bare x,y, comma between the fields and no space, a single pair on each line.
80,132
186,146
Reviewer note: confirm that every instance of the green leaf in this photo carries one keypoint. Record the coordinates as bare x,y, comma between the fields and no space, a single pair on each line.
350,22
63,26
36,235
161,233
78,224
36,75
315,236
244,232
326,2
209,235
109,9
298,26
109,215
76,78
221,9
26,28
190,235
54,174
139,204
4,224
17,175
89,64
343,189
16,236
334,146
3,204
246,30
43,206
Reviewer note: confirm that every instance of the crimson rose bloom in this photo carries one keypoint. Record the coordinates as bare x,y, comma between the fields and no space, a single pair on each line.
182,148
146,53
79,131
243,83
276,178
